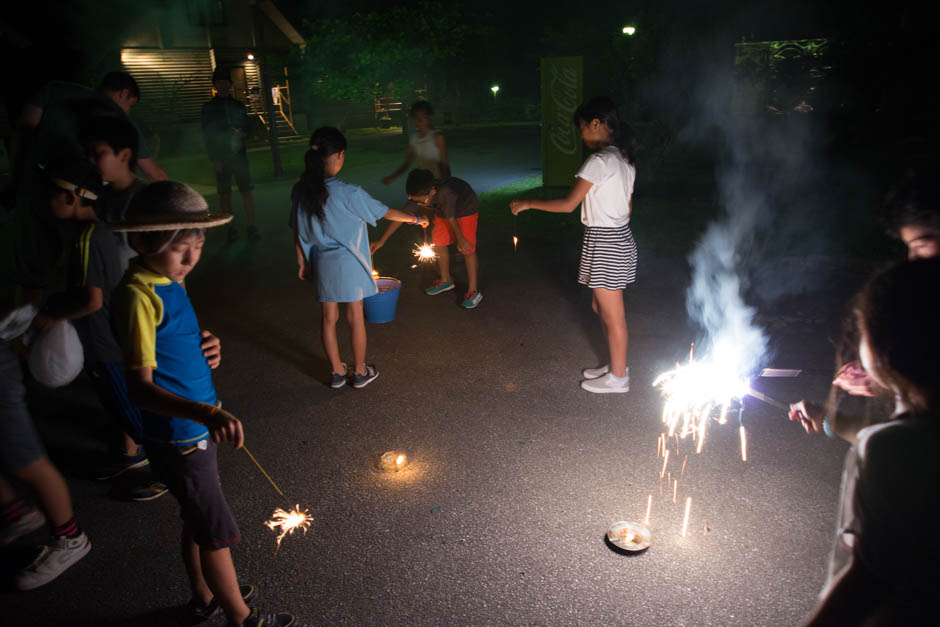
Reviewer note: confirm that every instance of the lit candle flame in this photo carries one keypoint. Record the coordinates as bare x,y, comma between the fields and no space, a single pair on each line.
685,522
288,522
375,274
515,242
425,252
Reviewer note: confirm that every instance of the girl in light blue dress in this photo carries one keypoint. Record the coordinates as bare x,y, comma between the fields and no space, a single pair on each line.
329,219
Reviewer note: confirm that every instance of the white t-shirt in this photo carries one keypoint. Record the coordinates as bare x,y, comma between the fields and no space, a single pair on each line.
607,203
890,503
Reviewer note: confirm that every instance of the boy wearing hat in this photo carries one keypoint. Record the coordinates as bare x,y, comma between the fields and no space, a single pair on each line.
224,126
94,269
170,361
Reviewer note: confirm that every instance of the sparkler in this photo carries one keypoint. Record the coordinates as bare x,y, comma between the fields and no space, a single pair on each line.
425,251
287,521
515,231
649,506
743,433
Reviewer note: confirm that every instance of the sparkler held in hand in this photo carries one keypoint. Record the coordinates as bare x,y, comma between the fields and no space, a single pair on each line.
284,521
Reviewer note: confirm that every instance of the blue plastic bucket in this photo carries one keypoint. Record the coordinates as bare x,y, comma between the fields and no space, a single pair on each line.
381,307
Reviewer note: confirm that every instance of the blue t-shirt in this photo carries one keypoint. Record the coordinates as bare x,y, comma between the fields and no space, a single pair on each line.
337,247
158,328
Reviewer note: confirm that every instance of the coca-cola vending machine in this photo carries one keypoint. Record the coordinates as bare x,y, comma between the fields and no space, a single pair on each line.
566,83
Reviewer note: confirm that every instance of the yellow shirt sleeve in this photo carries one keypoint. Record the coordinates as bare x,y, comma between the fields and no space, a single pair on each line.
137,312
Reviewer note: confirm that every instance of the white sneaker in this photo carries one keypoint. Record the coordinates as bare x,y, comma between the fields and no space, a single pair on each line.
607,384
593,373
27,523
53,560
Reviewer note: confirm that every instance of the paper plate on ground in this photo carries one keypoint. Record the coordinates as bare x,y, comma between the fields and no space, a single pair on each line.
629,536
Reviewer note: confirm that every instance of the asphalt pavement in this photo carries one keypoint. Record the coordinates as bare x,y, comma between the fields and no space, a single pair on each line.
515,473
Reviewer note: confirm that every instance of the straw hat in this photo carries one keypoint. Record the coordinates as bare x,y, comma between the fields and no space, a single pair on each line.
169,206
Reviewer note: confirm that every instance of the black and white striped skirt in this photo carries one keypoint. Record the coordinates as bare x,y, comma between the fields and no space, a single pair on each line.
608,257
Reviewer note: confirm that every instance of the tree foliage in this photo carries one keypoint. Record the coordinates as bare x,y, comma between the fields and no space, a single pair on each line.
373,54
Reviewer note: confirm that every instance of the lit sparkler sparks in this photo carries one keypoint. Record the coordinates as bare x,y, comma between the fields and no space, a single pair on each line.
425,252
685,521
285,522
515,243
694,392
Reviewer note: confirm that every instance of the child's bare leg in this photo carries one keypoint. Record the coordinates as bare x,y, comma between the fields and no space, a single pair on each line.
473,270
328,335
225,200
219,572
197,583
130,446
443,262
47,483
249,207
357,329
597,310
614,323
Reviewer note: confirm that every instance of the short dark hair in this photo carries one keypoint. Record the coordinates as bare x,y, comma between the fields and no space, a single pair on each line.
423,106
419,182
119,81
222,73
114,130
914,201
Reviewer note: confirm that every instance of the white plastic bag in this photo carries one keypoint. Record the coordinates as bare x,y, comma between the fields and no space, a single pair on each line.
56,356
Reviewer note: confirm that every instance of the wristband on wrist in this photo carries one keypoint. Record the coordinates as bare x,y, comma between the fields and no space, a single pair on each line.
827,427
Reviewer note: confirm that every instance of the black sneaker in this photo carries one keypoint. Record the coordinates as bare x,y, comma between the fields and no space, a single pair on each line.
362,380
196,613
338,379
259,619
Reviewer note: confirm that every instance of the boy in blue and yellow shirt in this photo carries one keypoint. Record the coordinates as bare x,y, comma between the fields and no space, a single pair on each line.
169,362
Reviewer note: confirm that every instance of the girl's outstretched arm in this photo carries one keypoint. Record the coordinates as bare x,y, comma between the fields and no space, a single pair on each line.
396,215
441,144
556,205
404,166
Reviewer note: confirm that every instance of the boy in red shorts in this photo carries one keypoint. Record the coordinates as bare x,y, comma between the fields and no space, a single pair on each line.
454,205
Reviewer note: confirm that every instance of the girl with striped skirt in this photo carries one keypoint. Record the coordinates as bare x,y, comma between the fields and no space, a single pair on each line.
604,189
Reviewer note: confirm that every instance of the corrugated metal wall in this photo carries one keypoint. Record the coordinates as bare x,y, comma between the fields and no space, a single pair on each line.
174,83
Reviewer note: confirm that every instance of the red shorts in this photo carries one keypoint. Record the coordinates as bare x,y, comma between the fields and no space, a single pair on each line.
442,235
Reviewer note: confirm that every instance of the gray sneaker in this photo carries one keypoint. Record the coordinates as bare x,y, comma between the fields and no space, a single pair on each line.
257,618
338,379
27,523
53,560
362,380
607,384
594,373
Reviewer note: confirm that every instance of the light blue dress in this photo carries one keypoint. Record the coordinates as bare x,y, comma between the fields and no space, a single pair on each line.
337,247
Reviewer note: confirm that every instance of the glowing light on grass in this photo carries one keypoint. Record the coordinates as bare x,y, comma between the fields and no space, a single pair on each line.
629,30
284,522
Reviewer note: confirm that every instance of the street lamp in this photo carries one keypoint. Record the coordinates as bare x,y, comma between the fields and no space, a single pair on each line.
629,30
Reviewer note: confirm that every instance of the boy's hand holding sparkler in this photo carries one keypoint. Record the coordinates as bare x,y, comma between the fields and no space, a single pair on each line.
518,206
223,426
810,416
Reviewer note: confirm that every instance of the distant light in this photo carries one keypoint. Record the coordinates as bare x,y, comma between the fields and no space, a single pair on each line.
251,57
494,89
629,30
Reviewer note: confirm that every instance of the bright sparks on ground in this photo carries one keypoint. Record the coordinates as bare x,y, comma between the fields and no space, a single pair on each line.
284,522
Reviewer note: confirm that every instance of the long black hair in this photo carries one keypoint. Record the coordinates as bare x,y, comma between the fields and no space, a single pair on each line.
313,194
603,108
